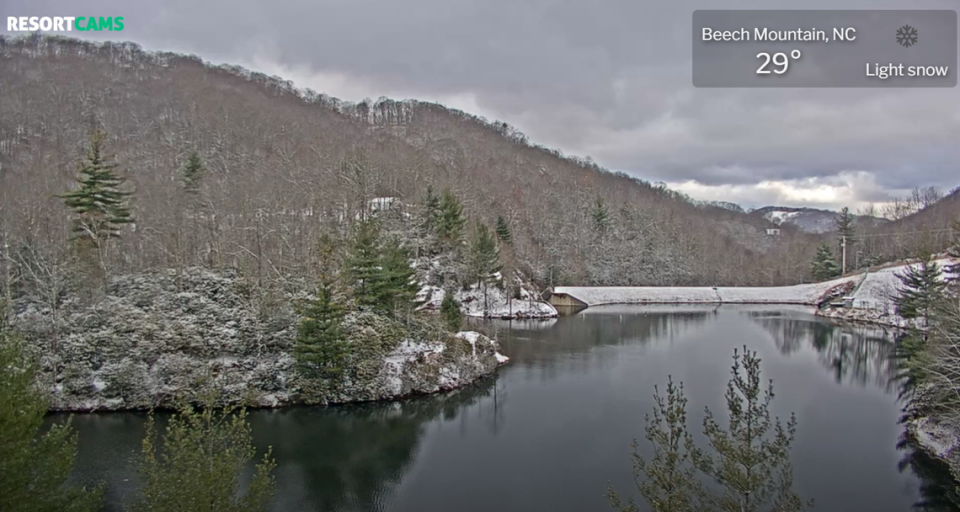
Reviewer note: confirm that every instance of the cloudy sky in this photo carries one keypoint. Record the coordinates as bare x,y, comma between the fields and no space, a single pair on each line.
610,79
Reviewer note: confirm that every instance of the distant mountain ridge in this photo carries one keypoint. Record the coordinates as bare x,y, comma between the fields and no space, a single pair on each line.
810,220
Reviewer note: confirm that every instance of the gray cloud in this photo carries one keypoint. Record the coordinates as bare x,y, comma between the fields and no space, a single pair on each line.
609,79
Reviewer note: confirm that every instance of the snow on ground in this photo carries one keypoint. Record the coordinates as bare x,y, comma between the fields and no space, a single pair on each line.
472,337
873,299
496,304
406,352
872,294
778,217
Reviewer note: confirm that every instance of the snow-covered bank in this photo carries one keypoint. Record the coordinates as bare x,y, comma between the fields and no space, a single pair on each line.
495,303
938,440
873,298
148,343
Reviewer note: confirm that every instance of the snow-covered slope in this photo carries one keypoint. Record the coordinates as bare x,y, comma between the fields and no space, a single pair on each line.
497,303
873,298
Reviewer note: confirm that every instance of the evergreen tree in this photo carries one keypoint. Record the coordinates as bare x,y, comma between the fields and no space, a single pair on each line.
381,272
363,261
450,312
921,288
34,465
749,461
824,265
600,214
320,348
99,206
397,286
192,173
751,457
201,465
431,211
484,261
844,223
668,480
449,228
503,231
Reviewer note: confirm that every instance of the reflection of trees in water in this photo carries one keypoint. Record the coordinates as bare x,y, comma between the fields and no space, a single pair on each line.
350,458
938,490
570,348
856,354
582,333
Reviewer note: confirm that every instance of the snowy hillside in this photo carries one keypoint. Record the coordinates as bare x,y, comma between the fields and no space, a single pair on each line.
498,304
873,298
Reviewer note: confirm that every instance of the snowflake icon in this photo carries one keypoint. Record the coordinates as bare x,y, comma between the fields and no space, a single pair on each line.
907,36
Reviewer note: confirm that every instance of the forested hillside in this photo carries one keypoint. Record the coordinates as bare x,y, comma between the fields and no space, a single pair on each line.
926,229
285,166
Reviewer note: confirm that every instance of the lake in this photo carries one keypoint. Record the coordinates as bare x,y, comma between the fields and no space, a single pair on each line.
554,427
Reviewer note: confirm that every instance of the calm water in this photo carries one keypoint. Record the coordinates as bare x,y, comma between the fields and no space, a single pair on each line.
555,426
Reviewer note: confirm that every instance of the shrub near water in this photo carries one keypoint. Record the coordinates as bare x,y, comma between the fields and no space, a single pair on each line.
749,460
33,467
201,464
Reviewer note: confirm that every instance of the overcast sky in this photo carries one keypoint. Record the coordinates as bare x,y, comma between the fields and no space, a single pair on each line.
609,78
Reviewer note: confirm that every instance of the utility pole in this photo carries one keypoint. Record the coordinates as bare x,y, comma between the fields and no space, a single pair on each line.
843,247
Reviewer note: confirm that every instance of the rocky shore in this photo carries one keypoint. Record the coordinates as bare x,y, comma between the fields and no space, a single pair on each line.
153,339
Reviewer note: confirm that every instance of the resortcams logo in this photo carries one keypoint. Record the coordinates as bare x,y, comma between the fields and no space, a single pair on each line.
63,23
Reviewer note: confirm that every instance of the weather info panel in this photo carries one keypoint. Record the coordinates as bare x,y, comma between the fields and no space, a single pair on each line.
824,48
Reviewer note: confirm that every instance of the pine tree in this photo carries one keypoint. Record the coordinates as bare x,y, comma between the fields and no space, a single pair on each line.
99,206
202,464
363,261
450,225
320,347
431,211
921,288
192,173
749,461
397,286
484,259
450,312
824,266
600,214
34,466
668,480
844,223
751,457
503,231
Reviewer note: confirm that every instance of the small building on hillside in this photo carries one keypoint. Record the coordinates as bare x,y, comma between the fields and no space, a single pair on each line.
773,231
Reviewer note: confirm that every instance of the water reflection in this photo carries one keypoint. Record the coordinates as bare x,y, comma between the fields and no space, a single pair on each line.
938,491
553,429
353,457
856,354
